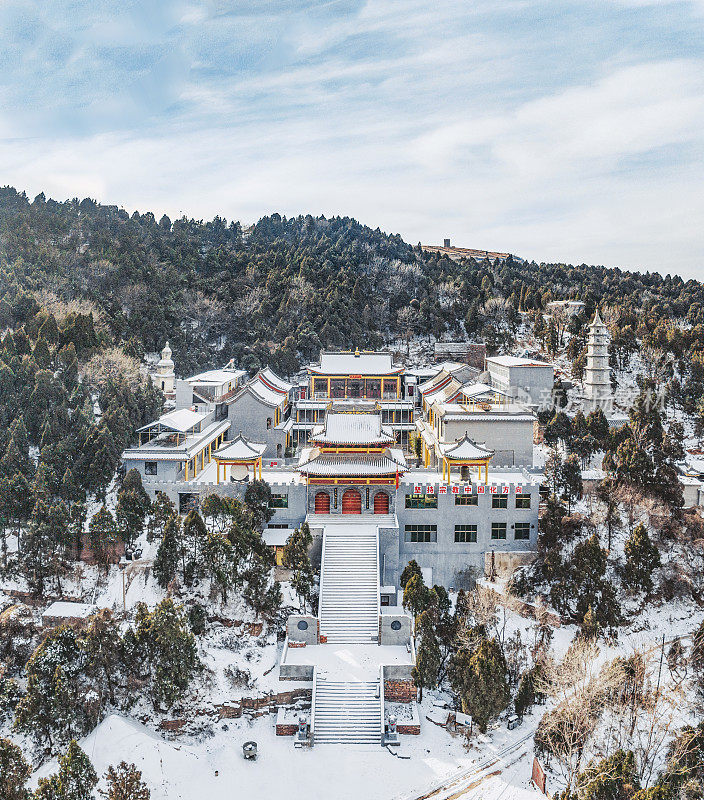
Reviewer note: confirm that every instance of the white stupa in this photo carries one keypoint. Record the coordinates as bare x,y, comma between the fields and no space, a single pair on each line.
164,377
597,376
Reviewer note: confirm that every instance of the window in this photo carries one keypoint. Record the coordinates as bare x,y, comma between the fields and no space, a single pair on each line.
499,501
268,423
498,530
421,501
278,501
421,533
522,530
466,499
465,533
150,467
280,526
522,501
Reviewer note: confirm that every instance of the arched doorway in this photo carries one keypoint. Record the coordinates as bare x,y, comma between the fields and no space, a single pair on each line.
351,502
322,503
381,503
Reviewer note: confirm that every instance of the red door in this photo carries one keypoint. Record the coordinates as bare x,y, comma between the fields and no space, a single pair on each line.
322,503
381,503
351,502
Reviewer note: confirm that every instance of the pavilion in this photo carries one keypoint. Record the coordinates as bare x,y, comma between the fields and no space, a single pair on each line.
240,452
465,453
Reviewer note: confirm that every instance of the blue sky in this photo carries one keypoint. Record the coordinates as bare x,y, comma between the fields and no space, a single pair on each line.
568,130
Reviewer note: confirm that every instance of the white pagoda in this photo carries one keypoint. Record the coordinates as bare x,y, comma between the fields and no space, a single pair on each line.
164,377
597,376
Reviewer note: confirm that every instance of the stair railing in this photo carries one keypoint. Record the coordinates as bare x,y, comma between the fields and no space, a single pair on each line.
322,573
312,706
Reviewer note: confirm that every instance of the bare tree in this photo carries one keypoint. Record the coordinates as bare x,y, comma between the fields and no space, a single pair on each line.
579,692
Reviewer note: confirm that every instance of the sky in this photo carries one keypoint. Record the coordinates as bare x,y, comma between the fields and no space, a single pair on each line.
563,130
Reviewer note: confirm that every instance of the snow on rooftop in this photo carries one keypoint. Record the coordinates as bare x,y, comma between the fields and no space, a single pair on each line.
352,429
66,610
181,420
360,363
515,361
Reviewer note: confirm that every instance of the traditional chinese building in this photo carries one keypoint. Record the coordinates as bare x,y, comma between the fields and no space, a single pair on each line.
352,466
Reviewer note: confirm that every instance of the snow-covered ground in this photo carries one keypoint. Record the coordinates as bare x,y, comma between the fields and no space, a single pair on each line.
214,768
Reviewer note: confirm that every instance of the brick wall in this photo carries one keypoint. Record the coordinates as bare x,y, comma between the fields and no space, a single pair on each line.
408,730
287,729
399,691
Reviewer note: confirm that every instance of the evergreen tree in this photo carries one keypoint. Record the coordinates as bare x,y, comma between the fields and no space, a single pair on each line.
612,778
162,509
296,558
194,539
124,782
14,772
168,556
642,559
44,544
479,678
170,649
257,501
416,596
75,779
409,570
132,506
101,646
571,480
426,671
102,532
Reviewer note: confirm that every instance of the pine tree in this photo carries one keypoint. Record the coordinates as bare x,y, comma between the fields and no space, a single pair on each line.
102,531
426,671
132,506
416,596
409,570
296,558
479,678
124,782
642,559
571,480
194,540
219,563
44,544
168,556
170,648
75,779
101,646
14,772
162,509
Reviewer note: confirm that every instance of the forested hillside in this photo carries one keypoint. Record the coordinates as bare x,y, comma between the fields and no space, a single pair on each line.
285,289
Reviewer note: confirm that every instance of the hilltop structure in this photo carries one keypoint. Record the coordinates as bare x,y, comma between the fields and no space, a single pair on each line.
342,450
597,375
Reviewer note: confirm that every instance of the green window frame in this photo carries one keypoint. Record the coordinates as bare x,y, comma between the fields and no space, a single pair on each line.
278,501
522,501
421,501
466,499
499,501
465,533
521,531
498,530
420,533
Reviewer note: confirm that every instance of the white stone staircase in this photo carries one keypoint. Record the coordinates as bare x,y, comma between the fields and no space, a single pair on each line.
347,713
349,584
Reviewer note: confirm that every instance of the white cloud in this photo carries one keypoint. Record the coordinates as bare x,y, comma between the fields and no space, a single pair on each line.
432,121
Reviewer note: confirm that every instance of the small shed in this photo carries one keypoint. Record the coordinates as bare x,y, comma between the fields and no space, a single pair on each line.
65,612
